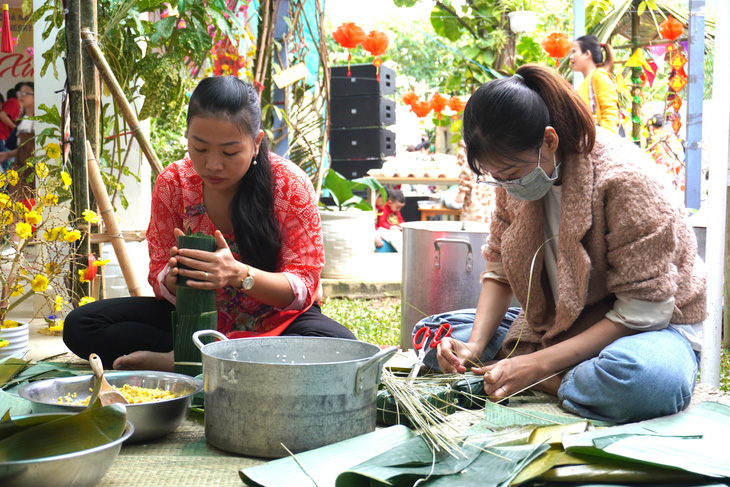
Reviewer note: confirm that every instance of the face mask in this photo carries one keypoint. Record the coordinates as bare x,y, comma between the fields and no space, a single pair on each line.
535,185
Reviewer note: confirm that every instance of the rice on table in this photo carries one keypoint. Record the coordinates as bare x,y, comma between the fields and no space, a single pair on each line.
133,394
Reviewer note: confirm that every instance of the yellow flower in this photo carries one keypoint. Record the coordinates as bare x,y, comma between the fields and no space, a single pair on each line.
7,218
23,230
82,276
16,290
58,303
53,151
39,283
51,235
71,235
4,343
32,218
12,177
41,170
56,326
86,300
52,268
5,201
90,216
100,263
66,179
20,208
50,199
9,324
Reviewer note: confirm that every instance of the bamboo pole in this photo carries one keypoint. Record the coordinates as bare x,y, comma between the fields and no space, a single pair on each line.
91,78
107,214
78,148
105,71
635,74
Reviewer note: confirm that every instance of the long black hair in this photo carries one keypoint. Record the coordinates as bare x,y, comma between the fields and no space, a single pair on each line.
257,232
509,115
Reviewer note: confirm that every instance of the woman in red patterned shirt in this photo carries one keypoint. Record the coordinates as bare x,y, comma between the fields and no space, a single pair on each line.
262,211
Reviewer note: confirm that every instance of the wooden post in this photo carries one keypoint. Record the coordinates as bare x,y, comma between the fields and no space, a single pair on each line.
121,101
107,214
726,278
78,145
90,79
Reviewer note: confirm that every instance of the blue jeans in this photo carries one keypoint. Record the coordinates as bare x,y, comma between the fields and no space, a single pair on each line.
637,377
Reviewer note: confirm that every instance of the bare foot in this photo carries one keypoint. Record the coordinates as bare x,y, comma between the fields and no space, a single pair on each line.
145,360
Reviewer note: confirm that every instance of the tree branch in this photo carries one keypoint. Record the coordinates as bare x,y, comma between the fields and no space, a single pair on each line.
448,9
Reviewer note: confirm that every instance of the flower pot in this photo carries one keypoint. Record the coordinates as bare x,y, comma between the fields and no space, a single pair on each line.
349,238
522,21
18,338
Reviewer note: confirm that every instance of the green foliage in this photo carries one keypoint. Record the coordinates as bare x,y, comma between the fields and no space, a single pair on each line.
342,190
371,320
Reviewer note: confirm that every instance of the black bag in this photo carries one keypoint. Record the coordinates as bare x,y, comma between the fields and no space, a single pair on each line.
11,143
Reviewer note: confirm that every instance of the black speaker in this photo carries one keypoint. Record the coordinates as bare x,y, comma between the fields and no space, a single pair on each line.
362,81
353,169
362,111
361,143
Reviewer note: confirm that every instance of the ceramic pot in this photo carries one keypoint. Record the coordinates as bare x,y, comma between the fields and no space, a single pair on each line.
18,338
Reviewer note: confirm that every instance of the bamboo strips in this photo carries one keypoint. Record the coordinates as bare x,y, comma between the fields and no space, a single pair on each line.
107,214
105,71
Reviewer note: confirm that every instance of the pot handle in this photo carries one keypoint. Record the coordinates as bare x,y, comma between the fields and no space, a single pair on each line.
469,253
206,333
379,358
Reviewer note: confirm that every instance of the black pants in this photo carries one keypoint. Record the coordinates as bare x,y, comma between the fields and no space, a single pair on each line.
114,327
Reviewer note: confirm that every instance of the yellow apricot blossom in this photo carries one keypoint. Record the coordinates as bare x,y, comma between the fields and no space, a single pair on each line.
23,230
5,201
90,216
66,178
7,218
12,177
53,151
41,170
58,303
52,234
33,218
82,276
39,283
86,300
71,235
16,290
50,199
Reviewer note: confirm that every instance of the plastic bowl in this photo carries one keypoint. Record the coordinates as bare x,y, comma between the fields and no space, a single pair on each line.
79,469
151,420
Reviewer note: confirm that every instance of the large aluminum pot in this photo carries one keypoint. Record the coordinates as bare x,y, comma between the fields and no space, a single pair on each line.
442,261
302,392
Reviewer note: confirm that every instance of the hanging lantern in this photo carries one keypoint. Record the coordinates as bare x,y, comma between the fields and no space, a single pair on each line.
677,60
456,104
421,108
7,35
410,98
671,28
376,43
349,36
557,45
89,273
438,103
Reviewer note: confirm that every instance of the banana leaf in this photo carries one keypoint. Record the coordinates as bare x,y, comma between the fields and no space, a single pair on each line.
694,440
10,426
10,367
14,404
320,467
90,428
184,350
44,370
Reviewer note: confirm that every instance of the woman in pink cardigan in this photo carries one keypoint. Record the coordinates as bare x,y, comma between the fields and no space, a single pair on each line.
617,294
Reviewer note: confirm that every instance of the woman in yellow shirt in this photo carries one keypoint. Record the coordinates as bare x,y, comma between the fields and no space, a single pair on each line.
595,61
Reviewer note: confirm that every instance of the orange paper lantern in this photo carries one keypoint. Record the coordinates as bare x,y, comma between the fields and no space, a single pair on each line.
456,104
349,36
438,103
671,28
376,43
557,45
421,108
410,98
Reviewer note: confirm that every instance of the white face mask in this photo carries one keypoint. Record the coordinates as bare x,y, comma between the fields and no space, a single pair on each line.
535,185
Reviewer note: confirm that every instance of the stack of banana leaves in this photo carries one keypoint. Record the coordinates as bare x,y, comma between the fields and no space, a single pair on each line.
48,435
512,446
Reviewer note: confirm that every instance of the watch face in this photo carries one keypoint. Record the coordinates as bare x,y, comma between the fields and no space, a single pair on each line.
247,283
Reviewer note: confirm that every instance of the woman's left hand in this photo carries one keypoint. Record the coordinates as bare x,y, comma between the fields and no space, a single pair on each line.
510,376
211,270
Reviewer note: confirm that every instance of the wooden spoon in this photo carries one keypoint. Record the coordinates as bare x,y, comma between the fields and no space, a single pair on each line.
108,394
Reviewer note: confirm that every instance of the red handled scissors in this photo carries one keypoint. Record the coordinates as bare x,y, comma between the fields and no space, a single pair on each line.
419,342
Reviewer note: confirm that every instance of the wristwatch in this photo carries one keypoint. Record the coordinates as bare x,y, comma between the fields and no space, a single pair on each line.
247,282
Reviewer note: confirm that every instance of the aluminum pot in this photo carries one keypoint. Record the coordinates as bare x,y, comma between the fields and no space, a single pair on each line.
442,262
300,392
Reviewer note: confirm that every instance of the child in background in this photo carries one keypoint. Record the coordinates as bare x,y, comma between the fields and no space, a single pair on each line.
387,227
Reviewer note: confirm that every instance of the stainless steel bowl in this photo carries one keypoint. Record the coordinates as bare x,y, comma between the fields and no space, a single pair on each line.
150,419
80,469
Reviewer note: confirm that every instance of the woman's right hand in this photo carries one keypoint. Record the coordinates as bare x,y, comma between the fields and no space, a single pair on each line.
171,277
453,354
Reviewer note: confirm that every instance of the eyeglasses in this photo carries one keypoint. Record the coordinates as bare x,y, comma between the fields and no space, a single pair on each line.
25,93
489,180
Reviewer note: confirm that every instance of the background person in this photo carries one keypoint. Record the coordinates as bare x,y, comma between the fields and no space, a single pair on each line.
388,225
263,213
9,114
617,295
595,61
666,149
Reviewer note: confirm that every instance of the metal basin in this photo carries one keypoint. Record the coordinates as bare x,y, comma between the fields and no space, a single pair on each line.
80,469
151,419
302,392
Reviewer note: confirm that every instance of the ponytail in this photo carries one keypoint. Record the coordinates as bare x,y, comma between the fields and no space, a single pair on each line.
509,115
602,54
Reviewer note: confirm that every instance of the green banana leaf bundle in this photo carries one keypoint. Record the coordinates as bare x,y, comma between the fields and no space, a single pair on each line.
195,310
53,435
389,413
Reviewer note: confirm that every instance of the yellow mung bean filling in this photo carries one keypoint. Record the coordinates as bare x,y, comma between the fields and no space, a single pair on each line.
133,394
